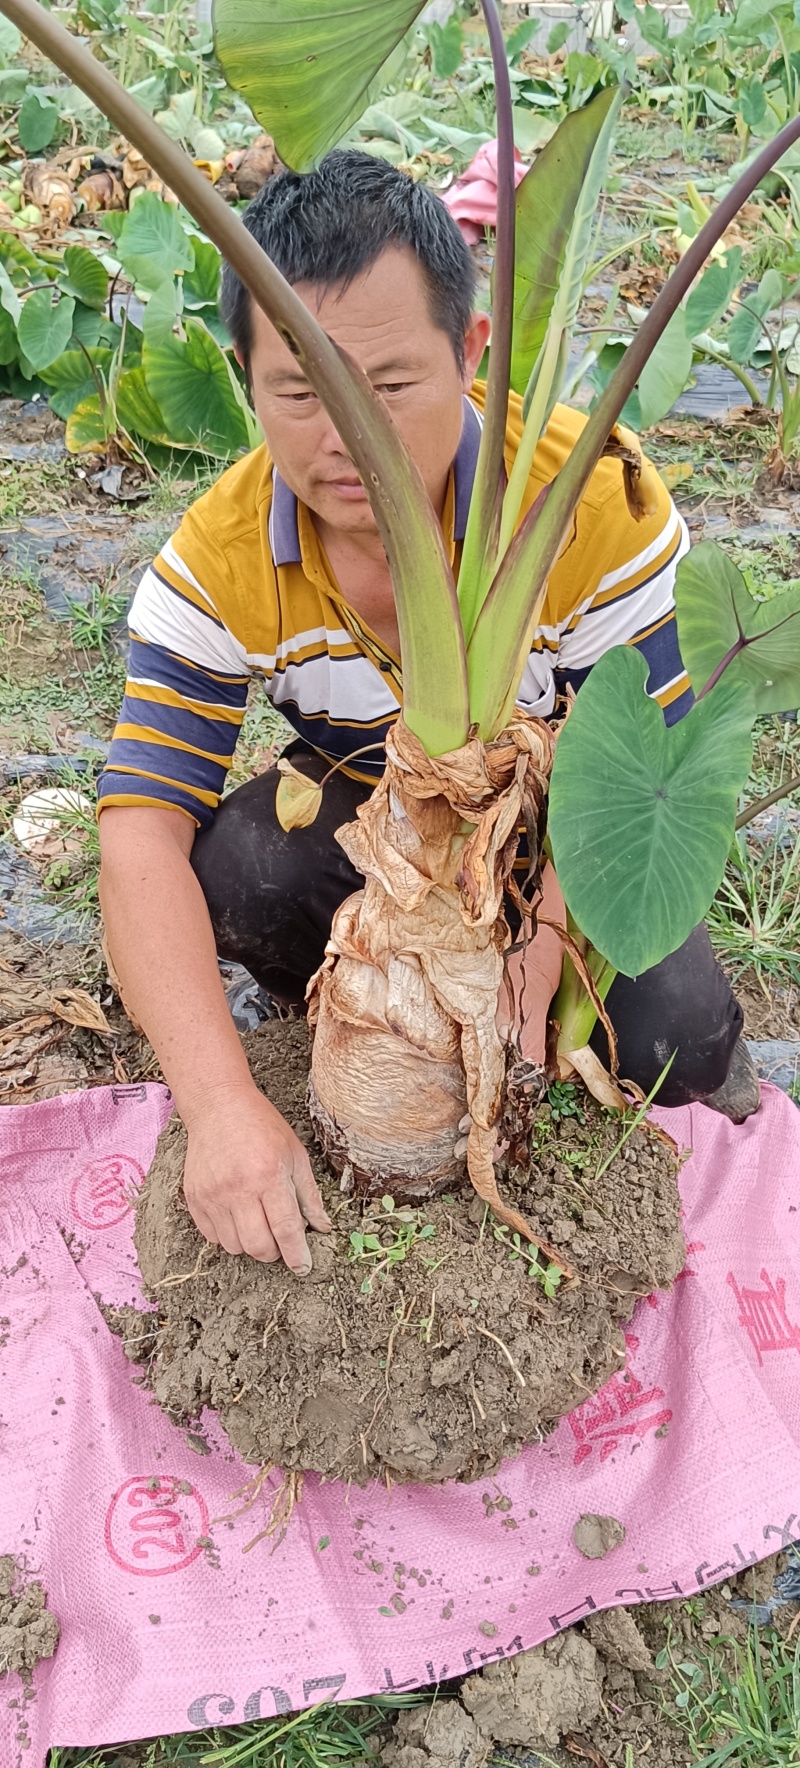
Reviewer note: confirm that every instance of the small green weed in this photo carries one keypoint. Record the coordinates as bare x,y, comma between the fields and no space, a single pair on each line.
548,1275
404,1227
564,1101
93,622
748,1717
74,879
29,488
88,704
767,570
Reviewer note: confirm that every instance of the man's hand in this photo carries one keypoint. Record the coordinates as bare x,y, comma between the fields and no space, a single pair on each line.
248,1180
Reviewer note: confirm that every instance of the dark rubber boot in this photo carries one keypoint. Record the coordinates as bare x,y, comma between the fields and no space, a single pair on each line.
740,1095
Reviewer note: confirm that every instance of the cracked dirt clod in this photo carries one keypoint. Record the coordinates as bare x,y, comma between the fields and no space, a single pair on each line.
433,1366
595,1536
442,1736
615,1634
28,1631
536,1697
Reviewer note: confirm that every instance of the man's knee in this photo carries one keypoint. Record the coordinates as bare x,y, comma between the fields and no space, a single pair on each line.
681,1012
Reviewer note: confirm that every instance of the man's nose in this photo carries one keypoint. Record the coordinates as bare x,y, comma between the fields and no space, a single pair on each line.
331,442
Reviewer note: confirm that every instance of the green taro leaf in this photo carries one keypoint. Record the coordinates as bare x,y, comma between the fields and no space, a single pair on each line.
22,265
753,103
715,608
305,67
547,201
10,40
201,283
70,378
666,371
87,430
45,330
190,381
9,299
558,36
520,37
162,311
137,410
87,325
446,45
745,331
152,244
751,17
37,122
653,27
8,339
83,276
13,85
641,816
711,296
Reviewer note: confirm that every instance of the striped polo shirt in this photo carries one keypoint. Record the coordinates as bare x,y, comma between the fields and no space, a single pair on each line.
244,589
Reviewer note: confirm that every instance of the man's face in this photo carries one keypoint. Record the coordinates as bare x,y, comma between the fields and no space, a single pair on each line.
383,321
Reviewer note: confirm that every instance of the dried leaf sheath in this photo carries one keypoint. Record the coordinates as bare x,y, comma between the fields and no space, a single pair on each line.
405,1003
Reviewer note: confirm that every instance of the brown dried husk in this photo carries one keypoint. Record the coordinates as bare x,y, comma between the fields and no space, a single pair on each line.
404,1005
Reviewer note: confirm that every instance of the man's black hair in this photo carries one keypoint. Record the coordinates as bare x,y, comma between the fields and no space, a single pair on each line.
330,225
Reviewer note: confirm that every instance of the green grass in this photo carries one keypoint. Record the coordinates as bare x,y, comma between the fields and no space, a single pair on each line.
755,917
738,1706
73,881
754,920
94,621
328,1736
35,488
174,491
768,570
88,702
263,735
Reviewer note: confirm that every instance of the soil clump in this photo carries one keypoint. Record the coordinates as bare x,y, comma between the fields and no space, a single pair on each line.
420,1347
28,1630
595,1536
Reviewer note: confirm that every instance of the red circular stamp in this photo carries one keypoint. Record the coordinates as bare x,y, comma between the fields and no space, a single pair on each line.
102,1193
155,1524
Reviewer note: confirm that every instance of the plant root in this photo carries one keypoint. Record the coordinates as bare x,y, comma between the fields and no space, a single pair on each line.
485,1333
249,1491
285,1502
184,1276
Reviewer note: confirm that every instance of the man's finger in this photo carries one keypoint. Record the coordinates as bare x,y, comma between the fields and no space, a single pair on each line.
254,1231
225,1231
308,1195
204,1223
288,1227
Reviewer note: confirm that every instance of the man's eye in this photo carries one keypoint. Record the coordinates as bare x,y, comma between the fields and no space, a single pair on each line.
392,387
303,398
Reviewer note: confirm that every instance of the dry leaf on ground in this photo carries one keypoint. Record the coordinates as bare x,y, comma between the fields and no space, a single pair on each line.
73,1005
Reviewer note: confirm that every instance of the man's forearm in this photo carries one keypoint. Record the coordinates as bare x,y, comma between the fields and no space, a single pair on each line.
160,938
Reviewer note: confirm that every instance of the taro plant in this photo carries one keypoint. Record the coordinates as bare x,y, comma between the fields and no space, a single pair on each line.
640,816
137,374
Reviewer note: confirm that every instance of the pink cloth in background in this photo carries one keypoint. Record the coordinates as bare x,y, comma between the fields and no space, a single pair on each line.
472,200
168,1624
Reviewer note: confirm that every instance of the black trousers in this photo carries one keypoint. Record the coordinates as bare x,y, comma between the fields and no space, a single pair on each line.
272,897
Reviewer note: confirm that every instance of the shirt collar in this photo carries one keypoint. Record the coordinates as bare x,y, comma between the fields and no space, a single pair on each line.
284,532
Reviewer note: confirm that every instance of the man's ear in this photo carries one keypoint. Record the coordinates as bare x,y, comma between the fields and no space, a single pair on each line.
245,368
477,337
